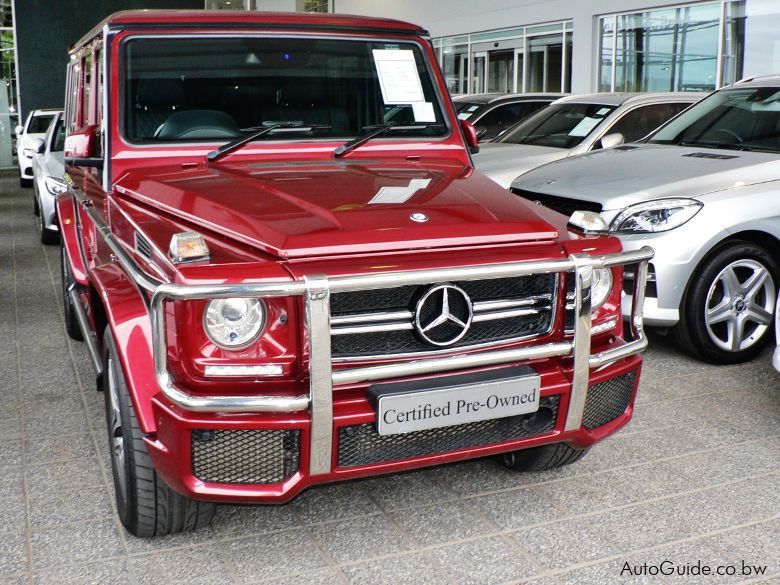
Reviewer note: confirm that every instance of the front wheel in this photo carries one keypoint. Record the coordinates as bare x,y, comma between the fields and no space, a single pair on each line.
727,314
147,507
71,321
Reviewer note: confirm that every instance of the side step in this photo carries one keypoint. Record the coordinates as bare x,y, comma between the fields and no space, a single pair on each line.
86,331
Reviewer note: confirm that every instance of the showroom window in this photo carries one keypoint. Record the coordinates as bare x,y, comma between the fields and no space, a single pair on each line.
671,49
693,47
521,59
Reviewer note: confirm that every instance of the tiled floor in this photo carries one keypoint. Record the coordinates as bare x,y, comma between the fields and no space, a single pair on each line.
693,479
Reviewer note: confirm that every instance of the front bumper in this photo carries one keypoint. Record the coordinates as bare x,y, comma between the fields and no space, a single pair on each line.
336,405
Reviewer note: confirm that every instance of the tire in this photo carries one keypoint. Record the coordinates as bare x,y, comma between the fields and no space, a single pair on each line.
723,319
36,207
71,322
25,182
543,458
147,507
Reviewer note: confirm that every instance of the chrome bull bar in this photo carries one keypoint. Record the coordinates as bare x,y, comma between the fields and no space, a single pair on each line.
316,290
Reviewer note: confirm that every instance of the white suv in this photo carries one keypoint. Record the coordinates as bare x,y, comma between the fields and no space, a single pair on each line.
27,136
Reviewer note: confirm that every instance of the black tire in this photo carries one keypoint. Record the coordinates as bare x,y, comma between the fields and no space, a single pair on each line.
543,458
71,322
692,333
147,507
25,182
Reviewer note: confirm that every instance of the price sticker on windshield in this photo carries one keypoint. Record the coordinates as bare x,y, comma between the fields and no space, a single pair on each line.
398,76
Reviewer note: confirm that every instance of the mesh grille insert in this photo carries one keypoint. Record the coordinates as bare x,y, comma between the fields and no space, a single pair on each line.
608,400
361,445
244,456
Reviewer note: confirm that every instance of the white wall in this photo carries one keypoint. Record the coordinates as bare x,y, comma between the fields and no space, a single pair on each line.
453,17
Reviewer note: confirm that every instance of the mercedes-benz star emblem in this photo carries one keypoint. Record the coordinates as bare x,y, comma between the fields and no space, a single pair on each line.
443,315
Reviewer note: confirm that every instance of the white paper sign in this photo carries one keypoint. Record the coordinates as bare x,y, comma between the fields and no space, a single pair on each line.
585,126
423,112
398,76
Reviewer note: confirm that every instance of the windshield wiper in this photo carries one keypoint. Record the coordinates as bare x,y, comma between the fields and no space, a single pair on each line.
378,130
722,145
229,147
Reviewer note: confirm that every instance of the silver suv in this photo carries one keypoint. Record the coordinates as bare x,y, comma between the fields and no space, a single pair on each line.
704,192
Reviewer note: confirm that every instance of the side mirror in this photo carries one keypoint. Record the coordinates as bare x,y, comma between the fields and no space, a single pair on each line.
610,140
481,131
39,146
19,129
470,133
81,148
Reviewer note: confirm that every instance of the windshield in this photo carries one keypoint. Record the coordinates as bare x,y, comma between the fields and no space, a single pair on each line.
218,89
466,109
559,125
39,124
741,119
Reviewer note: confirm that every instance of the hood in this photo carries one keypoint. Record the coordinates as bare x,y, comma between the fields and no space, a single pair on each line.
323,208
630,174
505,162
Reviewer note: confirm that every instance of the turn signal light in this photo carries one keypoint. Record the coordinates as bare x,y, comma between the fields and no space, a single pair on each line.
188,247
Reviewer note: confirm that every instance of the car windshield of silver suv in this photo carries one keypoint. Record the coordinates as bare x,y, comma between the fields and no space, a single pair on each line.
732,119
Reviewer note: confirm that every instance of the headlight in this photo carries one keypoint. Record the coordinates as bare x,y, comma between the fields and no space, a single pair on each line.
655,216
234,323
55,185
600,287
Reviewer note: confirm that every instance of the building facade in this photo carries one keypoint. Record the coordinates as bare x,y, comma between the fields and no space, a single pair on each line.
593,45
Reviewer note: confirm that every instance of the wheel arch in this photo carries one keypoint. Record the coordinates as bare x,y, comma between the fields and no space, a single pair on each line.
116,303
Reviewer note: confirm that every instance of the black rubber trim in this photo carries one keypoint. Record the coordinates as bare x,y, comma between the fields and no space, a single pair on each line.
292,27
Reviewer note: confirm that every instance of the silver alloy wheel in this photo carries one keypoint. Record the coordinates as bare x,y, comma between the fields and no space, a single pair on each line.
115,428
739,306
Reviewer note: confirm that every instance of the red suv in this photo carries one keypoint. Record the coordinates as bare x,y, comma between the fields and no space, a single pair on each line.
287,271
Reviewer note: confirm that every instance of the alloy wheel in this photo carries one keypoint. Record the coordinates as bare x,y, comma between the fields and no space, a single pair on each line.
739,305
116,434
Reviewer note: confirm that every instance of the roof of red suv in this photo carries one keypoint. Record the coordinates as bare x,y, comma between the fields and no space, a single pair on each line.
130,19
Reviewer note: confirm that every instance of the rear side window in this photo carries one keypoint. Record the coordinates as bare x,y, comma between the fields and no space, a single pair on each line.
639,122
39,124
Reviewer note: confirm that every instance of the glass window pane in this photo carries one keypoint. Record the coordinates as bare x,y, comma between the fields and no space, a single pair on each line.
455,67
607,45
639,122
673,49
761,23
501,71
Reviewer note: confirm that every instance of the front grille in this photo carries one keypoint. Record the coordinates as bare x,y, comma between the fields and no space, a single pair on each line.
563,205
526,311
362,445
244,457
608,400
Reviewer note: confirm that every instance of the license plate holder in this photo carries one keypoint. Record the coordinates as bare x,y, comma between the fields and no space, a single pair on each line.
454,400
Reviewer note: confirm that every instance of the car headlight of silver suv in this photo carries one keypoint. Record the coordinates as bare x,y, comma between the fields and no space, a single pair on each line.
655,216
55,186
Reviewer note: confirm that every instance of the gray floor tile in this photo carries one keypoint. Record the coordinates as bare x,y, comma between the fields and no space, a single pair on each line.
565,543
105,572
54,506
64,474
484,562
160,543
75,543
324,577
13,551
333,502
415,488
360,538
443,522
519,508
59,448
234,521
182,567
274,555
408,569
